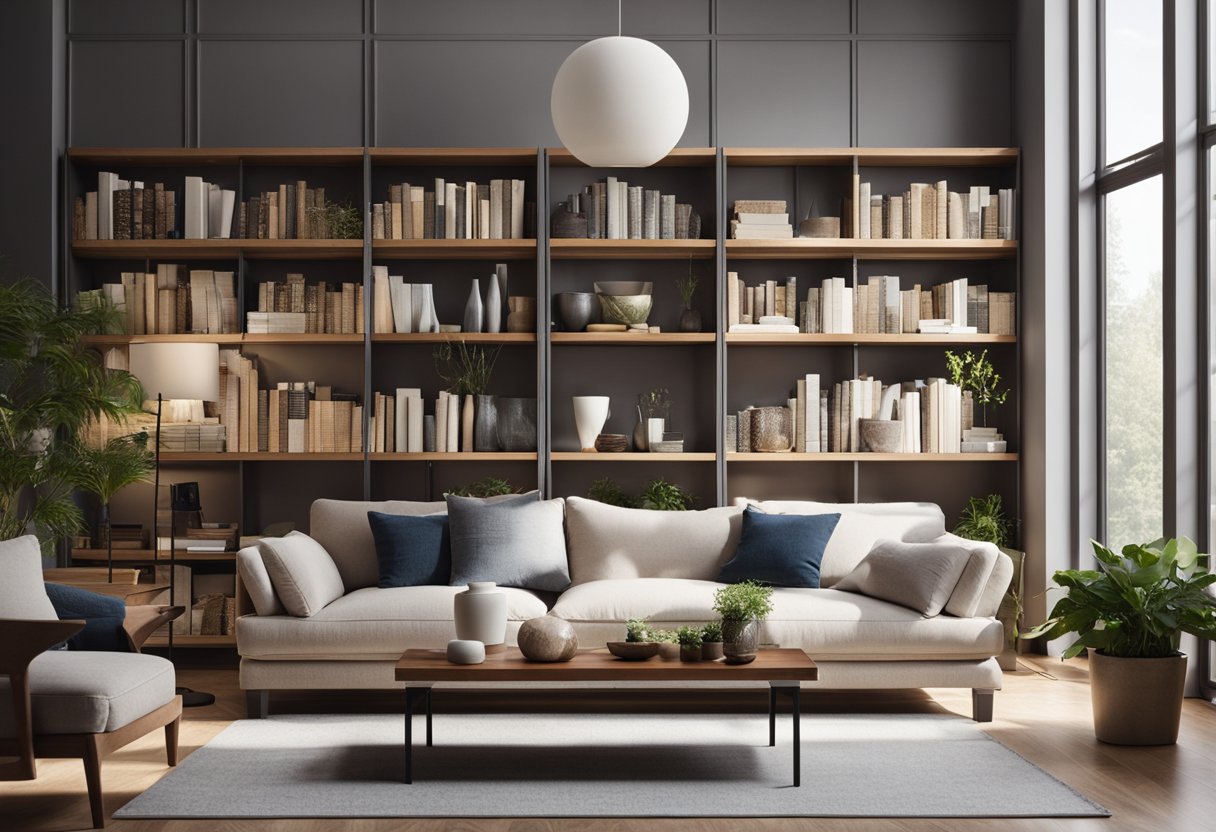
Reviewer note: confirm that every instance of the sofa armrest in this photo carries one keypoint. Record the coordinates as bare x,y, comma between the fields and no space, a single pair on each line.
21,641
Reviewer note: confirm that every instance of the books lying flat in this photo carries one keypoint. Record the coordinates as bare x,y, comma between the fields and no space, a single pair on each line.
752,231
777,328
262,323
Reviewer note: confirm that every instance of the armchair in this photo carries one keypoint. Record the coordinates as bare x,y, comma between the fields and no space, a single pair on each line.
65,703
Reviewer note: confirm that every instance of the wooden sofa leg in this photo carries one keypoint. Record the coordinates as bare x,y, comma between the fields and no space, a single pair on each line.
92,776
172,730
257,704
981,704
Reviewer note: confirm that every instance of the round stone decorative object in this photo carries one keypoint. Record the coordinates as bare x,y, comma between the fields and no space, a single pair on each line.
547,639
464,651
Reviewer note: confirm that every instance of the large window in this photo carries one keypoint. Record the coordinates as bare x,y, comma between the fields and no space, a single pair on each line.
1133,91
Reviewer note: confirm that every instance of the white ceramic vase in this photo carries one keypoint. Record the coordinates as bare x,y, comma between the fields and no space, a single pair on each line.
493,313
481,615
590,414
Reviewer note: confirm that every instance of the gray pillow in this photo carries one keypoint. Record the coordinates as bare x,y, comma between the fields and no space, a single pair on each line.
22,594
519,542
302,572
256,581
919,576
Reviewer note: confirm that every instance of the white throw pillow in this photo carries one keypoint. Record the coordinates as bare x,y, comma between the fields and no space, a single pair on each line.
919,576
256,581
22,595
302,572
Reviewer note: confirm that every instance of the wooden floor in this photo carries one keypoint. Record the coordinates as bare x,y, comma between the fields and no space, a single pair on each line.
1043,714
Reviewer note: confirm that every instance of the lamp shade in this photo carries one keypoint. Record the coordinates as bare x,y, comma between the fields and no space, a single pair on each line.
178,371
619,102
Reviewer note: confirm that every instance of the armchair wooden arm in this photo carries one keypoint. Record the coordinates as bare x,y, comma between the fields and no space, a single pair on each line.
142,621
20,643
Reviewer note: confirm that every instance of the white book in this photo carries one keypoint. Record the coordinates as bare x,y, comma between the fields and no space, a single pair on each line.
751,231
107,183
517,209
227,205
470,210
215,209
788,329
195,208
863,201
401,437
810,413
483,219
441,421
449,211
453,423
942,220
417,293
613,209
414,412
748,218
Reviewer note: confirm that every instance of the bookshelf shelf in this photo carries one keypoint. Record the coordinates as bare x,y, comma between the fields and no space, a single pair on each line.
145,555
432,156
678,158
812,249
505,338
629,456
868,457
218,249
170,456
625,339
580,249
464,456
123,340
301,338
876,156
210,156
454,249
860,339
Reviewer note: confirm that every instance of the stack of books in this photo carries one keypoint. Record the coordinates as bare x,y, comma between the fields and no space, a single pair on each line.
193,437
933,212
295,306
616,210
454,211
400,423
289,212
761,219
171,301
124,209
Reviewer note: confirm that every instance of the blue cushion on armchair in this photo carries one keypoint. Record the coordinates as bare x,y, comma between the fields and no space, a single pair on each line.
103,618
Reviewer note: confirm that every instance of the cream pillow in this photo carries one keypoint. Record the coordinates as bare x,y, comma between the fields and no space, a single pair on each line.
256,581
302,572
919,576
22,594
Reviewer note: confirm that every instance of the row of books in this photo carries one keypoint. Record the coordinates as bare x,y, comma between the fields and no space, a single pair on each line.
616,210
400,423
123,209
454,211
937,417
760,219
207,436
933,212
289,212
295,306
210,598
877,306
402,307
173,300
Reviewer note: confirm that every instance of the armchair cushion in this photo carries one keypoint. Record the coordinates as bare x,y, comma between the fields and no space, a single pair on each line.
90,693
22,593
103,618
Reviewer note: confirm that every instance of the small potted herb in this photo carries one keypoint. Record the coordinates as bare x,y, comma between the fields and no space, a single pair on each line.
639,643
742,607
690,319
690,643
637,630
711,641
669,644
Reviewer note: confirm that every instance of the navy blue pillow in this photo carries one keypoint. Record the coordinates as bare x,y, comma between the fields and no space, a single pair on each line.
411,551
780,549
103,618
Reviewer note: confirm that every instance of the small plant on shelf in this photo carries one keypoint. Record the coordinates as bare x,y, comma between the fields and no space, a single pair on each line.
486,487
690,643
711,641
984,519
655,404
606,491
637,630
343,221
976,373
712,631
742,606
660,495
687,285
664,636
465,370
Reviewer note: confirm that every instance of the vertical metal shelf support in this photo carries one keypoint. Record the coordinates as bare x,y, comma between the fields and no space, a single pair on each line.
368,316
544,355
720,356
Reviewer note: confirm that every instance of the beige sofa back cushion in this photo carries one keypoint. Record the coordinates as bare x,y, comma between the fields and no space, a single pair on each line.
341,527
861,526
608,542
22,595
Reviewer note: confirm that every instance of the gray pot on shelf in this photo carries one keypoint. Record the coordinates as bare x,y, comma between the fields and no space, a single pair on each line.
485,424
740,640
711,651
577,310
516,423
690,320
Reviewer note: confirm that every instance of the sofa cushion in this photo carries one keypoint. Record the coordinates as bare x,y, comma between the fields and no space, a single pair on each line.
304,575
827,623
919,576
612,542
519,542
980,570
256,581
22,594
861,526
75,692
780,549
411,551
341,527
371,624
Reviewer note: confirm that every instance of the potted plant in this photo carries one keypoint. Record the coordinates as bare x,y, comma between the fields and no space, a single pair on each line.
742,607
1130,613
976,373
690,643
711,641
485,487
690,319
984,519
637,630
466,371
607,491
106,470
660,495
669,644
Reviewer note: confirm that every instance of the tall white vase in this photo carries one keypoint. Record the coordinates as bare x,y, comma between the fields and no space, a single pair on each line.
427,322
590,414
481,615
493,306
474,313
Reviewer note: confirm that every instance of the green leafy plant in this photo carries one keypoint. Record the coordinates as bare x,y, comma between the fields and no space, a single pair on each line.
637,629
606,491
485,487
660,495
51,388
689,636
976,373
984,519
663,637
712,632
465,370
106,470
655,404
744,601
687,285
1134,605
339,221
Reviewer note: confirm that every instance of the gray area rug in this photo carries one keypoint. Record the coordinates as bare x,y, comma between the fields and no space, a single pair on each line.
575,765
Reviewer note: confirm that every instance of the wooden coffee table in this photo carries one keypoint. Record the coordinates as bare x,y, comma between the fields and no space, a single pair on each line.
783,669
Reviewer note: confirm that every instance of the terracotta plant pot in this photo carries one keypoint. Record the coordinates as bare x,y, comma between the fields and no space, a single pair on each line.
711,651
1136,701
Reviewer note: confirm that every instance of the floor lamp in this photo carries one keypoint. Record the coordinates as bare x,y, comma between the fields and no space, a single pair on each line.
175,371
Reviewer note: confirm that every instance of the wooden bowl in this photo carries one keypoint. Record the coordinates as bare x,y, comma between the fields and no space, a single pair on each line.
633,651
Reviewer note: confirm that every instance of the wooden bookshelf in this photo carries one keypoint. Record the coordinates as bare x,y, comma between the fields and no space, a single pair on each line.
454,249
259,456
812,249
629,339
504,338
769,339
456,456
146,555
867,457
582,249
229,249
631,456
876,156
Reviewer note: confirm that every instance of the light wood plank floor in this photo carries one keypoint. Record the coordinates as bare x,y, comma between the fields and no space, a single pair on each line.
1043,714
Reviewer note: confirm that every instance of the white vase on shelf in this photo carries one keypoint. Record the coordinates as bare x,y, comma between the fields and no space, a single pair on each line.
474,312
590,414
493,315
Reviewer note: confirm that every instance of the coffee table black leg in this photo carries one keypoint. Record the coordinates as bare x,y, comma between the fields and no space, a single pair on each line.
796,693
409,735
428,716
772,715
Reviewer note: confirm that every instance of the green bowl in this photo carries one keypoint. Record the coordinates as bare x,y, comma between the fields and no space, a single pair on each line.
625,309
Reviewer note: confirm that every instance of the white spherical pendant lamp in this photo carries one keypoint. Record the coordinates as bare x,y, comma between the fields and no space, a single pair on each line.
619,102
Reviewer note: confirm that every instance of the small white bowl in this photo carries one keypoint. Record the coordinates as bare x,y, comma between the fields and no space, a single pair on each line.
462,651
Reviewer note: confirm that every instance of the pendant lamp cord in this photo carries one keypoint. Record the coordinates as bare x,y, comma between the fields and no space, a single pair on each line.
618,18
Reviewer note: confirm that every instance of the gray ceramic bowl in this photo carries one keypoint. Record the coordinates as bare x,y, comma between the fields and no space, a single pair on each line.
633,651
625,309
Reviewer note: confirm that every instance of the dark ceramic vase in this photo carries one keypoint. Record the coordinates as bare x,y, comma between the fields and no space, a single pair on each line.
516,428
690,320
485,424
740,640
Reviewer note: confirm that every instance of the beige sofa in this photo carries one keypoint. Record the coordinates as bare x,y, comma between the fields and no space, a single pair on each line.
626,564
